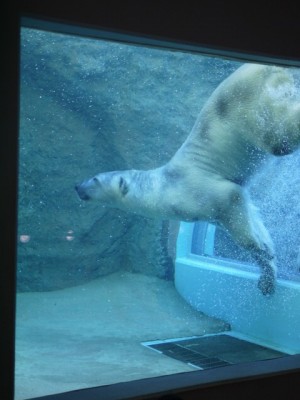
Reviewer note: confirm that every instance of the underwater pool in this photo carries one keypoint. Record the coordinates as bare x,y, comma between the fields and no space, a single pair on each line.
158,194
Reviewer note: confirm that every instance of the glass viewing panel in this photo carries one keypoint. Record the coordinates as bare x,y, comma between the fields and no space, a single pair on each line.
96,291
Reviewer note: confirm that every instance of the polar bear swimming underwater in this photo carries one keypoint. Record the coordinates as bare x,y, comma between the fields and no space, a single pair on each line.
251,113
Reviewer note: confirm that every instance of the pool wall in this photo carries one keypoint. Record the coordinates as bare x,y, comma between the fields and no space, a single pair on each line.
231,294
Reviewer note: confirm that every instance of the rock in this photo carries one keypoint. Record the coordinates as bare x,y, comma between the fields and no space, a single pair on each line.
89,106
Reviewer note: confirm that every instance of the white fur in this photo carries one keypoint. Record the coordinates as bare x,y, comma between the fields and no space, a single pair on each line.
253,112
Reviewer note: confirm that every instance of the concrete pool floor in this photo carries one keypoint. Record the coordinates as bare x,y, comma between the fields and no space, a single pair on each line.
91,335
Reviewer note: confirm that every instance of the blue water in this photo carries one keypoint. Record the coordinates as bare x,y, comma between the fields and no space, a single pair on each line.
89,106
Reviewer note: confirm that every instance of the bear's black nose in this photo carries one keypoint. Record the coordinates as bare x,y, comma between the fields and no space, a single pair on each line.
82,193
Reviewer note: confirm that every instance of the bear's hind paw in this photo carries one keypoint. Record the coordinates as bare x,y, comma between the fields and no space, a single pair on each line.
267,284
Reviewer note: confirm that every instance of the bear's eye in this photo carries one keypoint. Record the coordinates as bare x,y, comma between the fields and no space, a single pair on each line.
123,186
96,181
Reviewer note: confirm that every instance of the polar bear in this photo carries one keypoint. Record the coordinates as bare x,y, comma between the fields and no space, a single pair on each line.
252,113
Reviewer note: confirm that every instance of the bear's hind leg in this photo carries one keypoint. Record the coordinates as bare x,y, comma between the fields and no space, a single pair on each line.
243,223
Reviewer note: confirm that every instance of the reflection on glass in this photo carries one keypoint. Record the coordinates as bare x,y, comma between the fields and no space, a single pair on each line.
96,286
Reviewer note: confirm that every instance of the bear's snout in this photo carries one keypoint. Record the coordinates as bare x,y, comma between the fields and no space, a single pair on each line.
81,192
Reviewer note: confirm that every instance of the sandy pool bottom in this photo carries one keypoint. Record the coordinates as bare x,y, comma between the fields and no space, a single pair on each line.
91,335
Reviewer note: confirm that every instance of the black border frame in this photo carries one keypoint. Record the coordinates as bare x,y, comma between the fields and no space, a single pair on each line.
215,27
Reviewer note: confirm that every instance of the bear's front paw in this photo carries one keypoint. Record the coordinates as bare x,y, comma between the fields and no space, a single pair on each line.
266,284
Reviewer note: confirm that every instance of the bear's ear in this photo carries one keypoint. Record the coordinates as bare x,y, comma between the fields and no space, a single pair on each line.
123,185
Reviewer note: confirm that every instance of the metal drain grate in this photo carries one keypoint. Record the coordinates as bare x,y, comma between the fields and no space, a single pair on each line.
213,350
